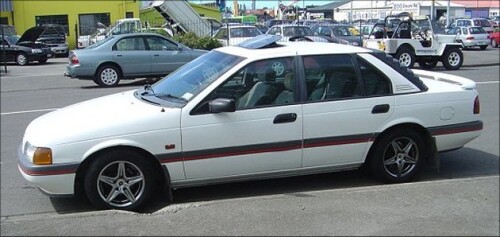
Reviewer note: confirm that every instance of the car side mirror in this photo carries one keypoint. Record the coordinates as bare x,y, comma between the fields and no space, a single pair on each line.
220,105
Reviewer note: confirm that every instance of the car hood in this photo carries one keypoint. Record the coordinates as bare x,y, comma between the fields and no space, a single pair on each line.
32,34
110,116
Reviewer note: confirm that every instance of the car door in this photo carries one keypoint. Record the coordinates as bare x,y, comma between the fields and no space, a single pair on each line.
343,112
263,135
8,51
166,56
131,54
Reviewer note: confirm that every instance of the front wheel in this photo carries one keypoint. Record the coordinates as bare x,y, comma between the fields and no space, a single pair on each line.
22,59
107,76
398,156
119,180
406,57
453,58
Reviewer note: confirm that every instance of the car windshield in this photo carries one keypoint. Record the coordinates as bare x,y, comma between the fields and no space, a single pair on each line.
190,79
244,32
11,39
294,30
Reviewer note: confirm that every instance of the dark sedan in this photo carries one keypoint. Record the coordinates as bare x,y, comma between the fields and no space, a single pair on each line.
22,53
343,32
129,56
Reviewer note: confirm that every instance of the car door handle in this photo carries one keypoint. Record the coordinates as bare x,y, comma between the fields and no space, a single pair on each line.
380,109
156,55
285,118
118,55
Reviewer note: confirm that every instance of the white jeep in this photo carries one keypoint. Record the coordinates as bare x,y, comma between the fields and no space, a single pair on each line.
412,39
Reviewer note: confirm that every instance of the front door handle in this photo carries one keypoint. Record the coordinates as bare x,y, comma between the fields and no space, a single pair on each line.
380,109
285,118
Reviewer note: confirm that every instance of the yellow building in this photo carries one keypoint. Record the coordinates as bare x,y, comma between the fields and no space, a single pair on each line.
78,17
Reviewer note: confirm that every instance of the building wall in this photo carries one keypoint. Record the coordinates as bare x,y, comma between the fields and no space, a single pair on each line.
25,12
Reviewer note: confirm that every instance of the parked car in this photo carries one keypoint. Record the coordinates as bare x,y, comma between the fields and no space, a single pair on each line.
129,56
237,34
471,36
289,31
263,109
335,31
495,39
22,53
482,22
52,35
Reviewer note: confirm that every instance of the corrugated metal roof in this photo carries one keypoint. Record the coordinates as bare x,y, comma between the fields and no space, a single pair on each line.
6,6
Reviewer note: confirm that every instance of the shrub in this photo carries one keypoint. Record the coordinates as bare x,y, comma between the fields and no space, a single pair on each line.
193,41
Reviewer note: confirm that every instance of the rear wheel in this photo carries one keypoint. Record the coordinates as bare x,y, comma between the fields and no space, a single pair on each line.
21,59
452,58
107,76
398,156
406,57
483,47
494,43
119,180
42,60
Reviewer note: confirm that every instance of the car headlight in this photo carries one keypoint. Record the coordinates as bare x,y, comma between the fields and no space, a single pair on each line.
38,155
36,50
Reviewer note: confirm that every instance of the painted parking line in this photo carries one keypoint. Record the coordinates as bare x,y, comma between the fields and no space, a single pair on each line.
28,111
487,82
37,75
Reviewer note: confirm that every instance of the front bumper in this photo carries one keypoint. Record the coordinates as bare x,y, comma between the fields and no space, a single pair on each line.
53,180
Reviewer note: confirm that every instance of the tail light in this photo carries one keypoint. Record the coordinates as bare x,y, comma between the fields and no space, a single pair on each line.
476,105
74,59
470,38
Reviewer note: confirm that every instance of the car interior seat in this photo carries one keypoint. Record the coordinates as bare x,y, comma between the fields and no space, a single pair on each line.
341,85
261,93
286,96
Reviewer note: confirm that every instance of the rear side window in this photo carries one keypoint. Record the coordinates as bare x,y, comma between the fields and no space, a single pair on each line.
374,81
406,72
477,30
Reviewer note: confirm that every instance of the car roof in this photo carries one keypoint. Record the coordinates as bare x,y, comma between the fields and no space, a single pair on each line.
292,49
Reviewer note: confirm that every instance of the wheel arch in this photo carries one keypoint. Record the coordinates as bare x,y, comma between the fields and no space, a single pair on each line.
408,46
102,64
429,141
161,174
449,46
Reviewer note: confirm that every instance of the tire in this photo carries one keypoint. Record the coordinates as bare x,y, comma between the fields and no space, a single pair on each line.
22,59
483,47
452,59
494,43
42,61
398,156
119,180
107,76
406,57
427,64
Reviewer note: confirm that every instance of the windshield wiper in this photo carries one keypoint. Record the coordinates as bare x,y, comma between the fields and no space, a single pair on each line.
148,90
170,96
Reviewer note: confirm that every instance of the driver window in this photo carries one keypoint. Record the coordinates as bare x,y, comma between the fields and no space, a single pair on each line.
157,43
261,83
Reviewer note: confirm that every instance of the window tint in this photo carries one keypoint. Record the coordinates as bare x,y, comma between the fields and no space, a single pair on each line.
477,30
375,82
158,43
261,83
129,44
330,77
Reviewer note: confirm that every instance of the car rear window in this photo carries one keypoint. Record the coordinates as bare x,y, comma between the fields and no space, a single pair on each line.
477,30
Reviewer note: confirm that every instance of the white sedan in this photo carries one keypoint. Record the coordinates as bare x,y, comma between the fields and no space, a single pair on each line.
263,109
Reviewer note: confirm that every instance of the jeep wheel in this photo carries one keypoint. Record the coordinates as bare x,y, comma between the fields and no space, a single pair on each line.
406,57
453,58
427,64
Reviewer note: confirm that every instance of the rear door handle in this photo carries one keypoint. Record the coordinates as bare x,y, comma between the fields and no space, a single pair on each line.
118,55
380,109
285,118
